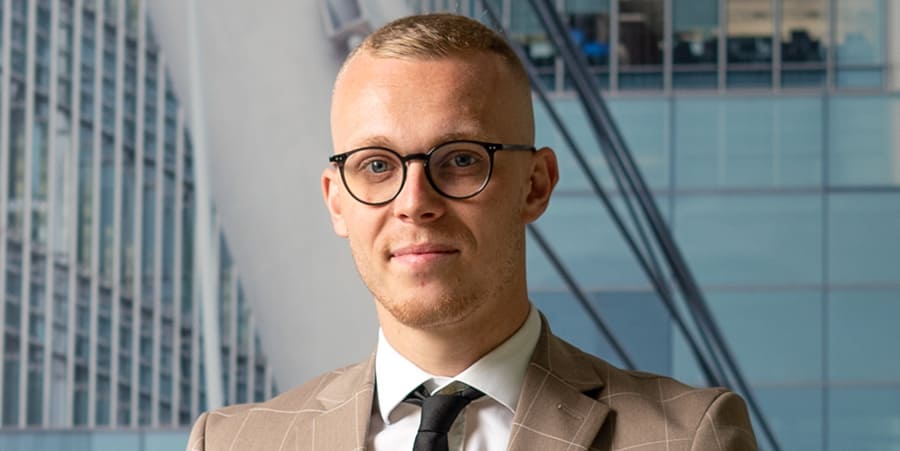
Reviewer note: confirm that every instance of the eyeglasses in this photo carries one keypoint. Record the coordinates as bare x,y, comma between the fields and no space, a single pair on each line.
455,169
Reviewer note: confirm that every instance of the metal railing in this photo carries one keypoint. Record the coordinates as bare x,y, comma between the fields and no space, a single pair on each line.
653,237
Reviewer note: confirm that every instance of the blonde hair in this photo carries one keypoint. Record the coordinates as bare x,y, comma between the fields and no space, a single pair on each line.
438,35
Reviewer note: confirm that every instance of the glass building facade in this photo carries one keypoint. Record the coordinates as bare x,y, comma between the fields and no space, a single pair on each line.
100,312
767,131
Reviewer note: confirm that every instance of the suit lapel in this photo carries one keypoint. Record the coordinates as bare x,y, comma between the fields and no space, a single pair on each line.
553,412
347,409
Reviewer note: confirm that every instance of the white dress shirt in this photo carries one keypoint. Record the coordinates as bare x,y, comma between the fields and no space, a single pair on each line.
483,426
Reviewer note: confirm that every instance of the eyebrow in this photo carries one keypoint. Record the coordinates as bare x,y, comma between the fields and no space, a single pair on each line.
384,141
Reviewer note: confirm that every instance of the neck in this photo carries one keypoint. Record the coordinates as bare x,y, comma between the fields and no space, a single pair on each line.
449,349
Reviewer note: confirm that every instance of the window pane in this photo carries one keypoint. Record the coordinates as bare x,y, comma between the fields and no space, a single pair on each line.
783,365
10,391
803,34
733,241
859,38
85,193
34,409
791,348
579,228
638,320
860,31
864,140
749,44
640,44
525,29
695,29
748,142
864,418
794,414
546,133
589,26
644,124
863,336
862,239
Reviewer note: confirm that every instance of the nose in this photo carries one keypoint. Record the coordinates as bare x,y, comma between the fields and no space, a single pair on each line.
418,202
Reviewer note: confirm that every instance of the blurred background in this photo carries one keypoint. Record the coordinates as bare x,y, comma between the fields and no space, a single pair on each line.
728,211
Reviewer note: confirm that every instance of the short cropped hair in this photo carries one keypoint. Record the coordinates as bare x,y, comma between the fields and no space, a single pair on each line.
437,35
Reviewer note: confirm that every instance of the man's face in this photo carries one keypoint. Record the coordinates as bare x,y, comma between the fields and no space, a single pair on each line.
429,260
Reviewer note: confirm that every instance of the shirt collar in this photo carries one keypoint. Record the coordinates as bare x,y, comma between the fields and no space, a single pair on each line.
499,374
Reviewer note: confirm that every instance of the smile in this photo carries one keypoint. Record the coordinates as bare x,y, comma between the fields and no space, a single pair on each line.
422,254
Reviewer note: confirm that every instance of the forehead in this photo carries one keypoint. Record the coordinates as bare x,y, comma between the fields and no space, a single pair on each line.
465,96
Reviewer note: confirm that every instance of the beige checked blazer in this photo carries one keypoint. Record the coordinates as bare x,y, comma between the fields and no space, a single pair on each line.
570,401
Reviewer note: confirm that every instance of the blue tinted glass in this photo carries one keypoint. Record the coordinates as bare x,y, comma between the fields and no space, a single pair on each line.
863,337
148,440
740,142
637,320
798,78
863,143
749,26
700,79
790,350
685,367
11,391
732,240
738,78
546,134
107,192
860,31
642,122
863,245
864,418
804,31
795,415
640,80
860,78
640,43
163,440
645,126
695,30
581,231
116,440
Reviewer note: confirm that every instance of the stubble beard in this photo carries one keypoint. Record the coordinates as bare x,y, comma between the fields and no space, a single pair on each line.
458,299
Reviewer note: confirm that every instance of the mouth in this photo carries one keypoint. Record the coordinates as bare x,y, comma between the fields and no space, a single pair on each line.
420,254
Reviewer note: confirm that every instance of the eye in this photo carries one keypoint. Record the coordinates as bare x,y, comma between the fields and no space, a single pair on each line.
376,166
457,159
373,163
462,159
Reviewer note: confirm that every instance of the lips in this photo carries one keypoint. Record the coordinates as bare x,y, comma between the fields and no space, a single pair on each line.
422,256
422,249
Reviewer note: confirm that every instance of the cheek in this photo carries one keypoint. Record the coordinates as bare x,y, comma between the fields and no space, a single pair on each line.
498,228
367,230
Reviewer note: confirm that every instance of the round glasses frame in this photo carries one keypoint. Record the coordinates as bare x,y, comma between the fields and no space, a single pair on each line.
490,148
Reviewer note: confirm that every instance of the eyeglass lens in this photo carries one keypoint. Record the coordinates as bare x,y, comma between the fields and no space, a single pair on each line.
457,170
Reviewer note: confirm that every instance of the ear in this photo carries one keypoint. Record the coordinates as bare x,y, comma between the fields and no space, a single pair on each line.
331,191
544,175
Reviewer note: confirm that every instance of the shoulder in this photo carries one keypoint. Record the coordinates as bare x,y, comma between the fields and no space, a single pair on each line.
215,428
302,397
643,404
621,387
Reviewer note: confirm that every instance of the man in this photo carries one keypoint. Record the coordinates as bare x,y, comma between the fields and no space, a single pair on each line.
433,180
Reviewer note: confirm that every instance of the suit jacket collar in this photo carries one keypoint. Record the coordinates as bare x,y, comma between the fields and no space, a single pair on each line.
553,401
346,401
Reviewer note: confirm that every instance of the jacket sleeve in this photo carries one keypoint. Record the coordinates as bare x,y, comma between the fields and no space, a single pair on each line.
725,426
197,439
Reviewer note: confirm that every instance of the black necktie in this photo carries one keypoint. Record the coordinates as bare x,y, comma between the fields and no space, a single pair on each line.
438,413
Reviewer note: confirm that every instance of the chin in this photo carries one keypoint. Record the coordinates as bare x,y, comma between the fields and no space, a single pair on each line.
426,312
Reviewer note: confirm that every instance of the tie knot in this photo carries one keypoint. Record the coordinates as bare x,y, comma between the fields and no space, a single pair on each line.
440,410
